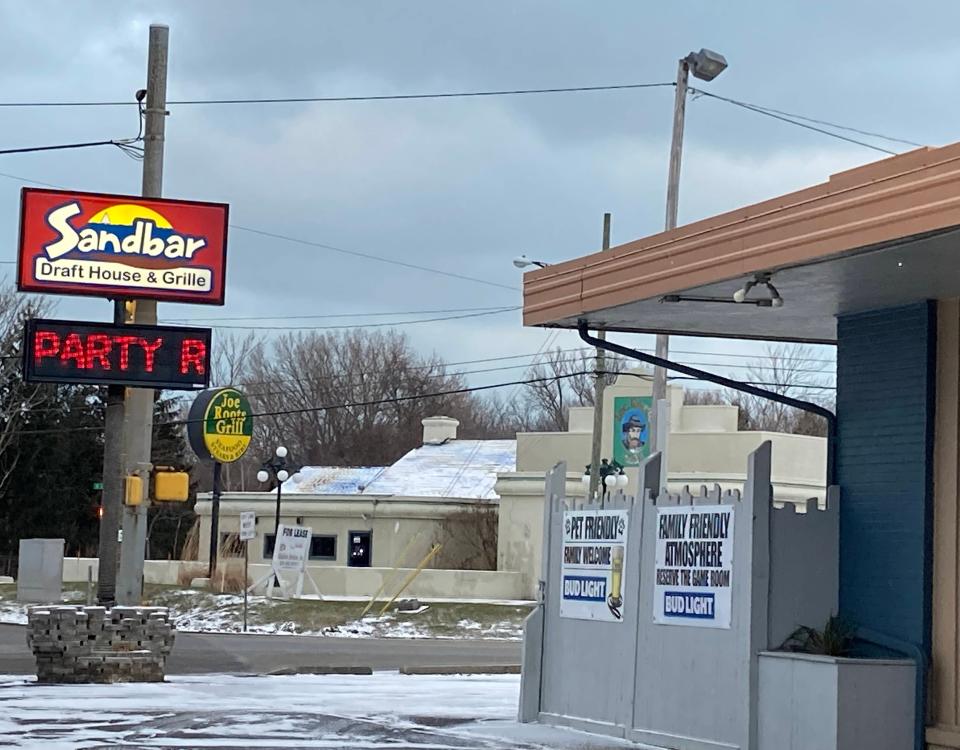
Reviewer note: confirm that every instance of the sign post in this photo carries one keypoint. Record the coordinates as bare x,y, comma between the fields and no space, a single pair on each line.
248,531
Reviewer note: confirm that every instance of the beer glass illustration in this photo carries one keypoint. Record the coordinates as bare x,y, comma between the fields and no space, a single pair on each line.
614,600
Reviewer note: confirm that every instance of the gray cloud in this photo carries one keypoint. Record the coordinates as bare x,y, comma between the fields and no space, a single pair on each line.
466,184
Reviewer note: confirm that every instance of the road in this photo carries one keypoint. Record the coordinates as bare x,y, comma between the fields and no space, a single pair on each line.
206,653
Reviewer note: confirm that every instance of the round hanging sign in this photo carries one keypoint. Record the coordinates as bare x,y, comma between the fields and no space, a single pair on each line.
220,425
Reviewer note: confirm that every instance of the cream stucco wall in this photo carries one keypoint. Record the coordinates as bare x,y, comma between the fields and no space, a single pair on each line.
346,582
398,525
704,448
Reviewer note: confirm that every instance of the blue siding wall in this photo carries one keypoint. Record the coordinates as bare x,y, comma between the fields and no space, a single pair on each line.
885,410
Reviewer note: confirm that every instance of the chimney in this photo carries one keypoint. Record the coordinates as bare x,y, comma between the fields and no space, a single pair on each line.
438,430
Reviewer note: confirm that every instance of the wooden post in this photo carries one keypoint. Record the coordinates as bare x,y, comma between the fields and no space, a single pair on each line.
423,563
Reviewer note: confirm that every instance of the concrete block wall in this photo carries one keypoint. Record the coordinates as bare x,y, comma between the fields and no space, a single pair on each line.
94,644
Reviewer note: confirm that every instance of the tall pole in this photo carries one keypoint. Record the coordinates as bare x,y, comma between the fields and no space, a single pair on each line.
214,519
598,392
140,401
673,196
276,521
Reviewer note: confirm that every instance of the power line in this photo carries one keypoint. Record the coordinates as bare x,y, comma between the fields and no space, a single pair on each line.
311,243
497,311
352,405
775,114
60,147
371,256
330,315
827,123
366,98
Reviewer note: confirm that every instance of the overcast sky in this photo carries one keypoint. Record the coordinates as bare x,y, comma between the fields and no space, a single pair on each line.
458,184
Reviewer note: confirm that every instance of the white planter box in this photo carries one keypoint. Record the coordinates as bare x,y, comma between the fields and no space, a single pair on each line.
811,702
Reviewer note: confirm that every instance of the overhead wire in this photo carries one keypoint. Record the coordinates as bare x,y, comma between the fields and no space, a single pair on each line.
362,98
126,145
775,114
332,407
371,256
329,315
382,324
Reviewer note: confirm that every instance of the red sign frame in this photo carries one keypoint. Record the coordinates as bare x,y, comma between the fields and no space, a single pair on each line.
138,356
106,245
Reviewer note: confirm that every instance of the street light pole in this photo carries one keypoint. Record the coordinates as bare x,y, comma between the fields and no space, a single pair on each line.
276,520
277,467
705,65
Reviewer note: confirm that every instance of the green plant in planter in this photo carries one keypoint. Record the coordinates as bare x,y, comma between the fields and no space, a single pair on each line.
834,639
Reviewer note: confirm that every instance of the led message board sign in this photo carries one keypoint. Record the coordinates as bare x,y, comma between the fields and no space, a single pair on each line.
63,351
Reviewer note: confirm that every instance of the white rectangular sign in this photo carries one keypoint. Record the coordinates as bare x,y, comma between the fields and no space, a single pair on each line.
592,566
292,548
248,523
694,566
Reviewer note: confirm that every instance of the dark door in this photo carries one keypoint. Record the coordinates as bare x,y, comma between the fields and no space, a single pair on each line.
360,552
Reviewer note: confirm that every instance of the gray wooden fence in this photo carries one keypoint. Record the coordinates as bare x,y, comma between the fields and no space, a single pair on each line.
690,688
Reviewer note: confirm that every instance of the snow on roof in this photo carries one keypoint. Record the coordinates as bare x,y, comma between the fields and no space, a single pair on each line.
331,480
463,469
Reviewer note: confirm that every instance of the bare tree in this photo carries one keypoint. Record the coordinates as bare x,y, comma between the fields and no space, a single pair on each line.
346,399
787,369
469,538
17,398
567,379
233,357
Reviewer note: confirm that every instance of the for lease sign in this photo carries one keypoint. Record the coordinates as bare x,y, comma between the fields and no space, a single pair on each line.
694,566
292,548
122,246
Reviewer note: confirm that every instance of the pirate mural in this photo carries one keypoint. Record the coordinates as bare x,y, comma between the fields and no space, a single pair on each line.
631,438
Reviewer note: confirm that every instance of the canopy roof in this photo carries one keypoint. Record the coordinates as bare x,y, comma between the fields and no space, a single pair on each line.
877,236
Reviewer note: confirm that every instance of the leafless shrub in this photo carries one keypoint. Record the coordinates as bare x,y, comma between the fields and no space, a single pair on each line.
469,539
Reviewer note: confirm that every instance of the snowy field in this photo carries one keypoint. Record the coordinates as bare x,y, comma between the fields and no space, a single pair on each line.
385,710
198,611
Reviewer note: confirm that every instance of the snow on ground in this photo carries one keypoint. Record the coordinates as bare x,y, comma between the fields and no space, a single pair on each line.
385,710
194,610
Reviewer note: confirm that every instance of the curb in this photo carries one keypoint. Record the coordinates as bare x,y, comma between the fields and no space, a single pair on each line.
489,669
286,671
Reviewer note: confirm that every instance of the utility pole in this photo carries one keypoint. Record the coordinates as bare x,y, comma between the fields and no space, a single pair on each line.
138,430
598,392
673,197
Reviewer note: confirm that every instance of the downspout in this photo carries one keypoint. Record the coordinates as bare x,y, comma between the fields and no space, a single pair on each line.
735,385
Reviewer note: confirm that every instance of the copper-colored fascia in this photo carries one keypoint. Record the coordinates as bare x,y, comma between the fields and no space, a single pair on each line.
908,194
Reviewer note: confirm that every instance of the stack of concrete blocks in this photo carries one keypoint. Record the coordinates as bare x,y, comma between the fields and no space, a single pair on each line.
93,644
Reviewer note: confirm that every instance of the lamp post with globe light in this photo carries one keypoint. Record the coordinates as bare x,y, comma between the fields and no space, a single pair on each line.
612,476
277,468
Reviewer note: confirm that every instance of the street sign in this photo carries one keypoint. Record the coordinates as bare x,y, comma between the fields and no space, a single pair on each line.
248,522
103,245
98,485
64,351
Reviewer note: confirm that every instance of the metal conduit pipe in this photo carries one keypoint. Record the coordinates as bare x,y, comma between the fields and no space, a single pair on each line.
582,327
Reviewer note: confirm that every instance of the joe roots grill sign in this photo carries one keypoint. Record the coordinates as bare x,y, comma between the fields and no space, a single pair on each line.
220,425
113,245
